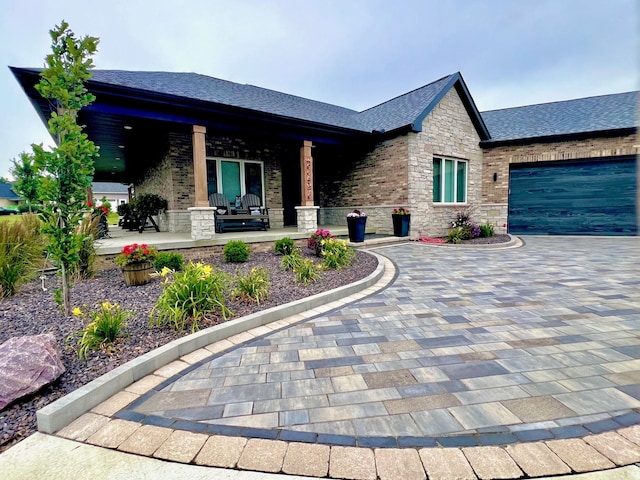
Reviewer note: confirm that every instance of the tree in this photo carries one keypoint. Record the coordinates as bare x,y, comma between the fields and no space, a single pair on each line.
27,178
67,169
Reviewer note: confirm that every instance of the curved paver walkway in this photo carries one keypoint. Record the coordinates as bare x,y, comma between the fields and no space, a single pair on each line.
466,348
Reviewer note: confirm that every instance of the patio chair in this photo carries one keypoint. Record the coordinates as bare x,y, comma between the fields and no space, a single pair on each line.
253,205
223,208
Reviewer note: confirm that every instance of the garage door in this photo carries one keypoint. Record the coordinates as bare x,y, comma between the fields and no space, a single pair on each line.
590,197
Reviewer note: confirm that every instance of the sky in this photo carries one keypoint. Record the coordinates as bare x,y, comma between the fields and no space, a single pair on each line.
352,53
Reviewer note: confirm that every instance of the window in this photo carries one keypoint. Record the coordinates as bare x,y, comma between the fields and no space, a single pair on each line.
235,178
449,180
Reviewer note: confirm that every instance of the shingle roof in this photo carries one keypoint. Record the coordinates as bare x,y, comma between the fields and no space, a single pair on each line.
583,115
109,187
6,191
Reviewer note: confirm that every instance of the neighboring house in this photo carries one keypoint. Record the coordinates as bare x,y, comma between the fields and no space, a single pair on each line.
185,136
7,196
116,193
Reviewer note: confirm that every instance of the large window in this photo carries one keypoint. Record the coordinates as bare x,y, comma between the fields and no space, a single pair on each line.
449,180
235,178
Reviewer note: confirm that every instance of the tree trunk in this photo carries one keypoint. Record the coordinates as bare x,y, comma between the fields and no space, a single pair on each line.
66,294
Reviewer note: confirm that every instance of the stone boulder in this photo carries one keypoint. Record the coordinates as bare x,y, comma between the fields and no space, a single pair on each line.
27,364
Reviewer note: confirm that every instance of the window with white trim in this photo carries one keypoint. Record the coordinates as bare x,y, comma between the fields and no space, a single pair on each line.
449,180
234,178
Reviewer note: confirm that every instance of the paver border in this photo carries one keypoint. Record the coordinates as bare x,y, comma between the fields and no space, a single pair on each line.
63,411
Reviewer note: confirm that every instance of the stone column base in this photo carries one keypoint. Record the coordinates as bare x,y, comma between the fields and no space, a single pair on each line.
276,217
203,223
307,218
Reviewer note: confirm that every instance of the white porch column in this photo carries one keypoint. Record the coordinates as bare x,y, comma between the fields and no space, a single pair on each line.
203,223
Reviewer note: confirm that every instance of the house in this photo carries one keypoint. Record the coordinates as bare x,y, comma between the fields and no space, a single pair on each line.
7,196
185,136
115,193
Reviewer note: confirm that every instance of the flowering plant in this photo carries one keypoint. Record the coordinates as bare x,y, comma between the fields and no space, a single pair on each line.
401,211
315,241
102,209
356,214
136,253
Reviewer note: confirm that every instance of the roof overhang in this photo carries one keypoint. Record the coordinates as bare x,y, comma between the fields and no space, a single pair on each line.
619,132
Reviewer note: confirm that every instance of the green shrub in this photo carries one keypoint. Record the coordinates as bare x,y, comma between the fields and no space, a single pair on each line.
190,295
21,252
171,260
306,271
236,251
85,266
336,253
285,246
290,261
456,235
105,327
254,286
487,230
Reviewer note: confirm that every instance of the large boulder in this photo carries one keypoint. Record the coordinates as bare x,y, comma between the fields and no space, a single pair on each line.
27,364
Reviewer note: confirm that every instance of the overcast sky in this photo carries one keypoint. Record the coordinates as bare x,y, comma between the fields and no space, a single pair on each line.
353,53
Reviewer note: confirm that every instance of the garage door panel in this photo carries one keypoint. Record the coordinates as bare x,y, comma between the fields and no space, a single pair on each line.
595,197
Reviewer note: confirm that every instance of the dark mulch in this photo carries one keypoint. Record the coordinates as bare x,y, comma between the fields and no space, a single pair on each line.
487,240
33,311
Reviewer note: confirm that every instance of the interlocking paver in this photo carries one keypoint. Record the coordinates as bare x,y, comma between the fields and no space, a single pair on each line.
181,446
579,456
145,440
112,434
83,427
219,451
446,464
615,447
352,463
394,464
491,462
631,433
263,455
537,460
117,402
306,459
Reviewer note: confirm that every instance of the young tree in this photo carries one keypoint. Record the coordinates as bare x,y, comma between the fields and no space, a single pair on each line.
27,178
67,169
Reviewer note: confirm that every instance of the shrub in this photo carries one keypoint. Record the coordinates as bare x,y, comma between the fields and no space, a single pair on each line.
21,251
487,230
105,327
171,260
254,286
315,241
290,261
336,253
306,271
284,246
85,266
455,235
236,251
190,295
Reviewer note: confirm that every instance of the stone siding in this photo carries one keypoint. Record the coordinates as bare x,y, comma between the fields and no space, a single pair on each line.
498,159
447,132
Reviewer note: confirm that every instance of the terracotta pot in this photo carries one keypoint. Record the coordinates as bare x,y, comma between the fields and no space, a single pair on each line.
137,273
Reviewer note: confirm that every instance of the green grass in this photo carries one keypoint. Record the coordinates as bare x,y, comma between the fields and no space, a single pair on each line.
112,218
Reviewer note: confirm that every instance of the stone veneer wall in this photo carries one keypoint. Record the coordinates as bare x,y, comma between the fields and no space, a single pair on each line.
448,132
495,195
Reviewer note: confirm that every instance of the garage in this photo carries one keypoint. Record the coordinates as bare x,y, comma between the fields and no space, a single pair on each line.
581,197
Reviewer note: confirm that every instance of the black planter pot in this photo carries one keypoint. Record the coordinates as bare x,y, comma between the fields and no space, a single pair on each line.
356,227
401,225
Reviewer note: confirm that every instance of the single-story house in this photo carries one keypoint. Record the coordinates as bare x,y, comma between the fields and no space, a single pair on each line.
115,193
557,168
7,196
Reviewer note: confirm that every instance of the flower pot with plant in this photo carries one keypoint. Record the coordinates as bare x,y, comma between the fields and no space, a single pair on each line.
146,205
401,218
136,262
356,222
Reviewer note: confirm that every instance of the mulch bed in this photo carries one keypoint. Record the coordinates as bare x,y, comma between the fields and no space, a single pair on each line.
33,311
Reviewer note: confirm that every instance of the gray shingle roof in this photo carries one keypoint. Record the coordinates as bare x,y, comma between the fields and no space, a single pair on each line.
109,187
583,115
6,191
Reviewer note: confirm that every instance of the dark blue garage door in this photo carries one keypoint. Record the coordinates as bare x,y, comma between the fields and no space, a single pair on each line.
590,197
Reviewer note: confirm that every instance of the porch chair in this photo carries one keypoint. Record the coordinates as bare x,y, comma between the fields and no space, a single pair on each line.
253,205
223,206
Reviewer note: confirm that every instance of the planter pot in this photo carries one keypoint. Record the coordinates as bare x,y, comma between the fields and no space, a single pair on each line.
356,227
137,273
401,225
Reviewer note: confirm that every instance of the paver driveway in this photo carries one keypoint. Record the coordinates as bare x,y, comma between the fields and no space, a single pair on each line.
465,347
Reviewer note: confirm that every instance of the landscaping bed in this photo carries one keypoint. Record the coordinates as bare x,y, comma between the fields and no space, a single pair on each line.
33,311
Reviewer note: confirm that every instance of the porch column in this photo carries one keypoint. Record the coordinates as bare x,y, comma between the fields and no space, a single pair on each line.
200,166
307,212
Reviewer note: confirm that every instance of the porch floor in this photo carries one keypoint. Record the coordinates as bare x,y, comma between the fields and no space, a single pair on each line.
169,241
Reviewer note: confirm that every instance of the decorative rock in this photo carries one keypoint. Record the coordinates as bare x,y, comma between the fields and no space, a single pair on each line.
27,364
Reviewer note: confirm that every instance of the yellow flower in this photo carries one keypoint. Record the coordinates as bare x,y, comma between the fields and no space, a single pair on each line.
107,306
165,271
207,270
77,312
